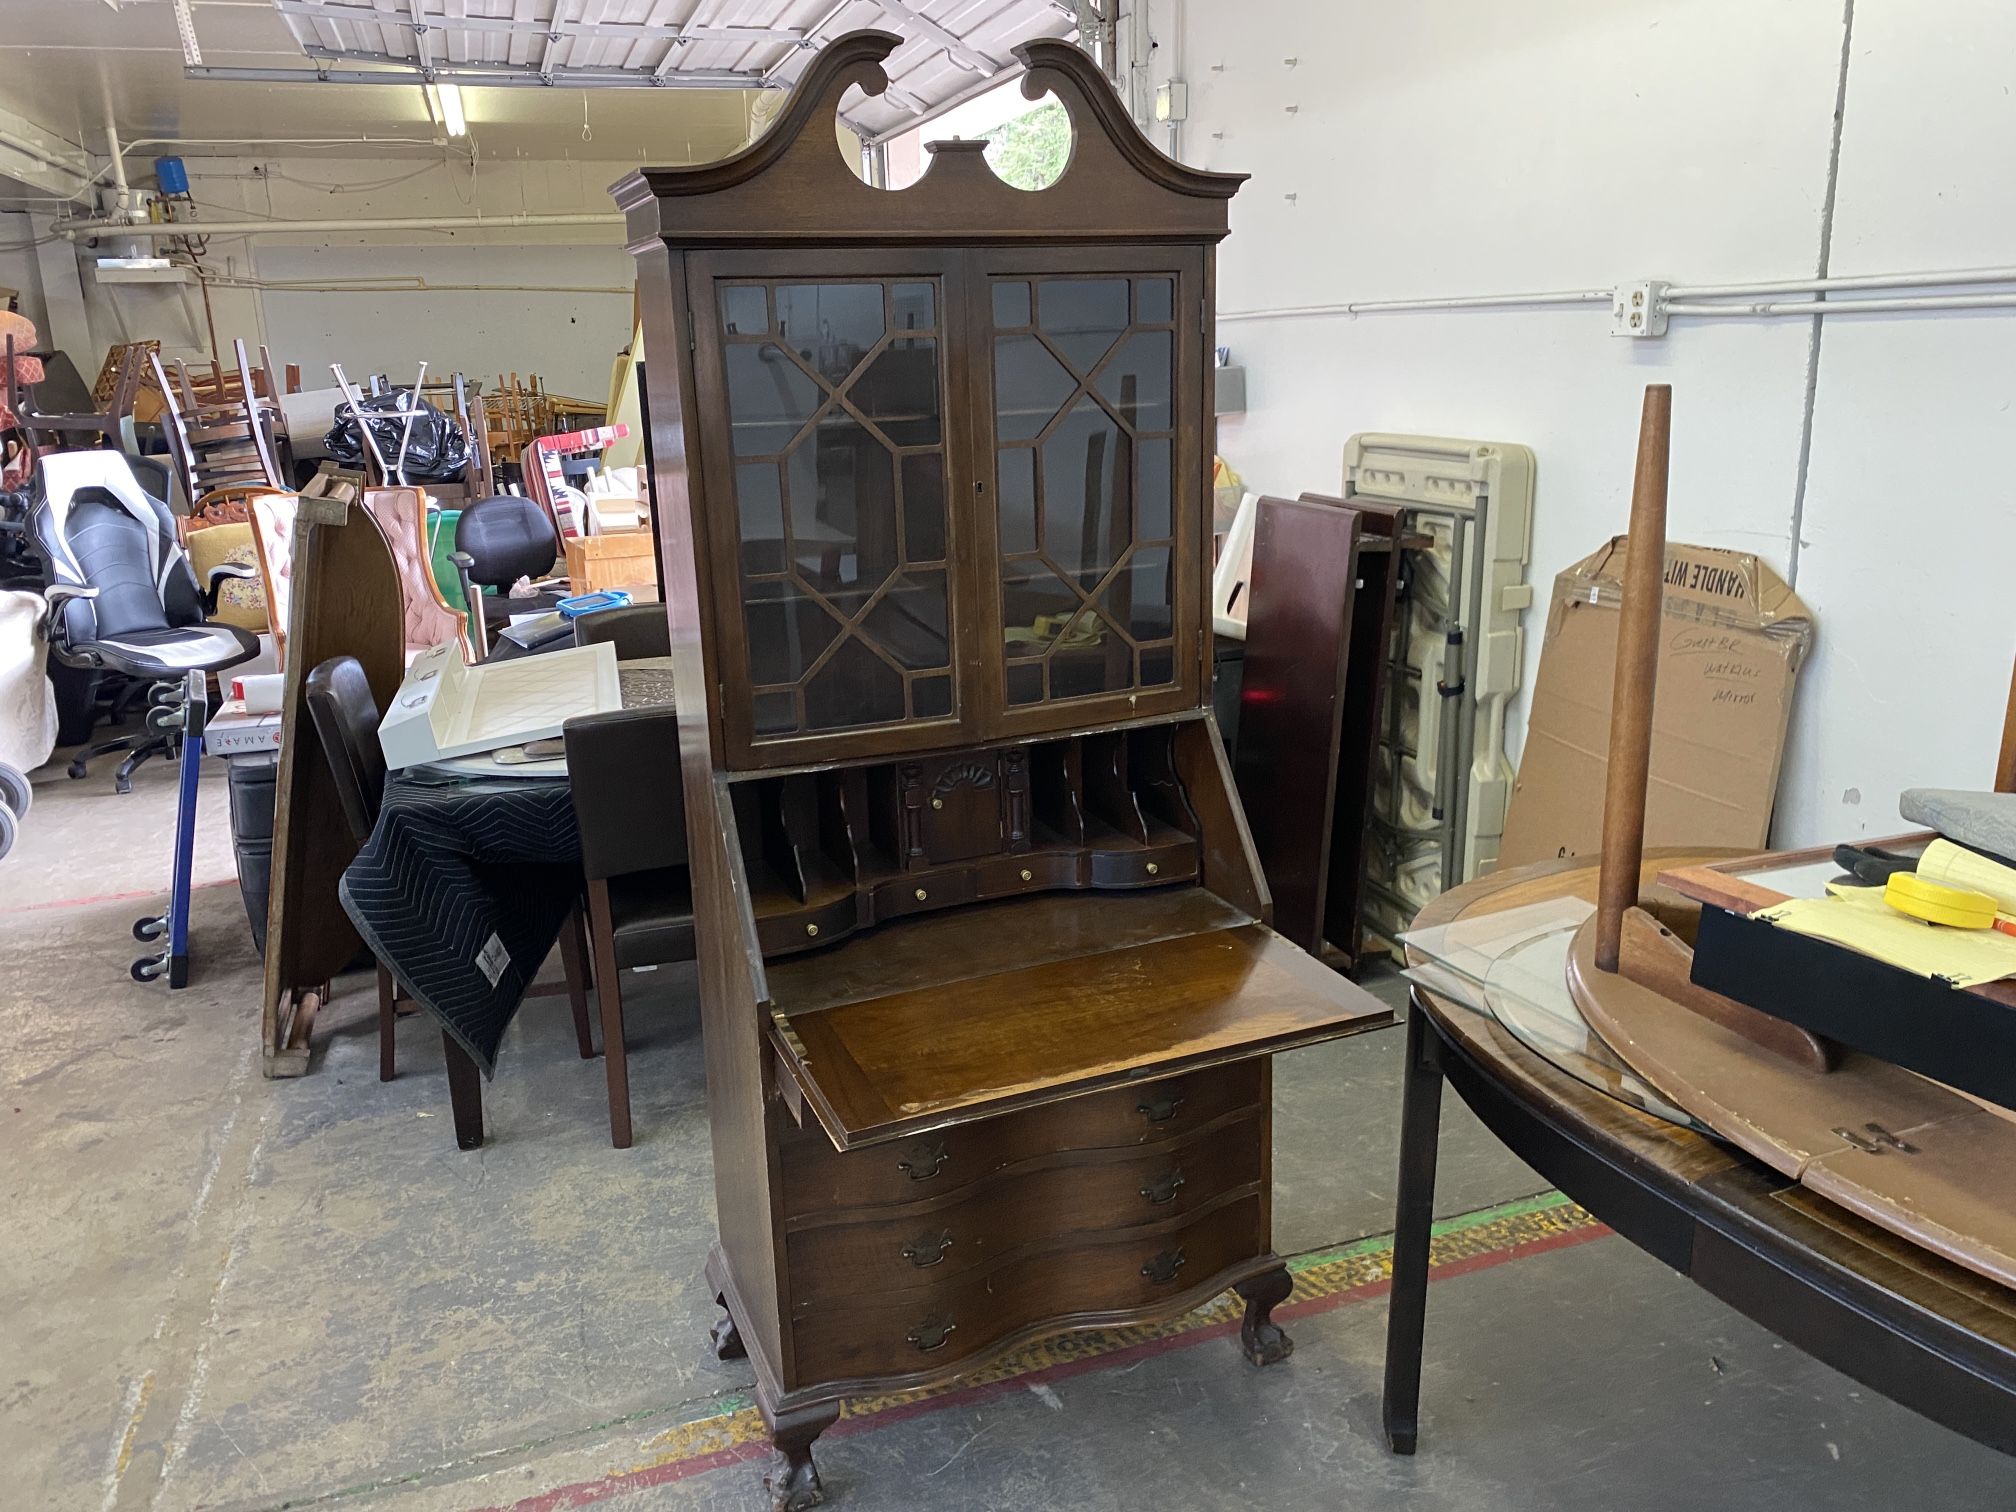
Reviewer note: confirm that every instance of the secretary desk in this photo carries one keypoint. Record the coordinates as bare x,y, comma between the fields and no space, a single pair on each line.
988,988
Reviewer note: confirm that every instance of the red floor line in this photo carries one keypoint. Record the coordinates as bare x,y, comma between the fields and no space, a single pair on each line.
118,897
587,1493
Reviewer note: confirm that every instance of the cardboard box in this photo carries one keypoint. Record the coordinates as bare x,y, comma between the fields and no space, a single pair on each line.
1732,641
621,559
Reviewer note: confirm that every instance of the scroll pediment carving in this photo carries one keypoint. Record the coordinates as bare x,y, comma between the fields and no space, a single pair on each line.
792,184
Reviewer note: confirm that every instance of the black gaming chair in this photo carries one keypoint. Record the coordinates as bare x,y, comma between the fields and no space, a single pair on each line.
122,596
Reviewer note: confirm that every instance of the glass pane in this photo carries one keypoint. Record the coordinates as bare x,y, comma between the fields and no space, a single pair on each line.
924,507
1018,499
1158,665
1154,300
830,325
842,489
855,687
1025,683
776,713
744,309
913,306
1011,304
1137,381
1155,504
1087,486
787,631
1035,605
1083,317
1090,657
908,622
1029,386
1138,598
760,499
931,697
769,398
898,390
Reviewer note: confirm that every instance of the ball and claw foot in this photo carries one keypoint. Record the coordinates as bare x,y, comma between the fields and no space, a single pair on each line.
727,1338
1260,1337
793,1481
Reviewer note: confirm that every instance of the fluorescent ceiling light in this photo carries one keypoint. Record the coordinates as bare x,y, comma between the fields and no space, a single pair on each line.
449,98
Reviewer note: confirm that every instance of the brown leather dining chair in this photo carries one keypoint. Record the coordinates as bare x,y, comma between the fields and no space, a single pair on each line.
632,818
346,720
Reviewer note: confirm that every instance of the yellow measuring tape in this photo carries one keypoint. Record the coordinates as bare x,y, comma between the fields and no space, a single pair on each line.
1936,903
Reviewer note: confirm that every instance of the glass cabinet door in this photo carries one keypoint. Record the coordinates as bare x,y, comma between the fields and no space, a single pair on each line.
834,396
1093,431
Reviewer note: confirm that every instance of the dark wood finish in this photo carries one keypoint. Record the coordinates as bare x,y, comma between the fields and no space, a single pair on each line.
1636,677
574,961
388,1019
790,186
884,1067
1316,634
1891,1315
465,1094
1260,1337
609,997
346,601
988,905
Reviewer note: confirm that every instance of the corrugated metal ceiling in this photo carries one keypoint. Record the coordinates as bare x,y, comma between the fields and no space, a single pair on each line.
951,48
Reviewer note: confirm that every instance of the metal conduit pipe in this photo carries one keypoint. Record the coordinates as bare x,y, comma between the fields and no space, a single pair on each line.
169,229
1862,281
1852,306
1463,302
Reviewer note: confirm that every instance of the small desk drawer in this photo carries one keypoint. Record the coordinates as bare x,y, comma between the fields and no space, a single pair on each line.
819,1178
924,1330
1033,1208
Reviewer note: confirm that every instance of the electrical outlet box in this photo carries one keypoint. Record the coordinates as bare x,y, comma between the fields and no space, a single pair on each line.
1172,101
1638,309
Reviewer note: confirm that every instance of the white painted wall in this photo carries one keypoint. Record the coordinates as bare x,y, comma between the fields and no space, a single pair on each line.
18,269
1469,147
555,301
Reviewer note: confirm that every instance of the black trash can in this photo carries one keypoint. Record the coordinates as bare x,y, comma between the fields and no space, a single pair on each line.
253,778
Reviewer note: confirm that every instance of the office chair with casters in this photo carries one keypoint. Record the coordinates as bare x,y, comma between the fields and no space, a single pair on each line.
633,853
122,596
498,541
346,722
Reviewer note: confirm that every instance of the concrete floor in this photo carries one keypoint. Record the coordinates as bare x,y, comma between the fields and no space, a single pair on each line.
221,1292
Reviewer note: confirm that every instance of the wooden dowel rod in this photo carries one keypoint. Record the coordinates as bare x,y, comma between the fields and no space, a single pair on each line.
2005,764
1636,679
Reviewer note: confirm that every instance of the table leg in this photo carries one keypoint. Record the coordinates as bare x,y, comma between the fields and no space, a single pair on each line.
1414,1213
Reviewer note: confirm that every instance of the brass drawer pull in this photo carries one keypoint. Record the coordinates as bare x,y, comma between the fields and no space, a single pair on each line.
927,1250
930,1334
1163,1188
926,1156
1162,1269
1161,1109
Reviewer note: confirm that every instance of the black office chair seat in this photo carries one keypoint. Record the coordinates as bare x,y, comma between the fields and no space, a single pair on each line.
651,916
163,653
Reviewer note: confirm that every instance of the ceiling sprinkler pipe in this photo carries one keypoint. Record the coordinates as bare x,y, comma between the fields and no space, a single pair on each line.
76,229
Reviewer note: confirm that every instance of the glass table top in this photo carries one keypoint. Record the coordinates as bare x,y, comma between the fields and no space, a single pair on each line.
1512,967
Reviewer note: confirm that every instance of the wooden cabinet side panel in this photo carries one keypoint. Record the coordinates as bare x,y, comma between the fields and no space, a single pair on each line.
1230,867
745,1165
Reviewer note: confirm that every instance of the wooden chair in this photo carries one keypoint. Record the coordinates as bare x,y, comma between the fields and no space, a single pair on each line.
49,430
430,619
633,840
272,517
218,437
346,719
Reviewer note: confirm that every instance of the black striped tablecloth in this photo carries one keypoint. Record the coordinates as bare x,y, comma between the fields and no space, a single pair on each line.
461,891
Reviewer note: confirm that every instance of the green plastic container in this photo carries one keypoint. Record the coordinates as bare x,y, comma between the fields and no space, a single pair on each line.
441,546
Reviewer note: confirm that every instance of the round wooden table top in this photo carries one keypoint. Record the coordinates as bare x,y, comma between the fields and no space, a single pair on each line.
1895,1316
